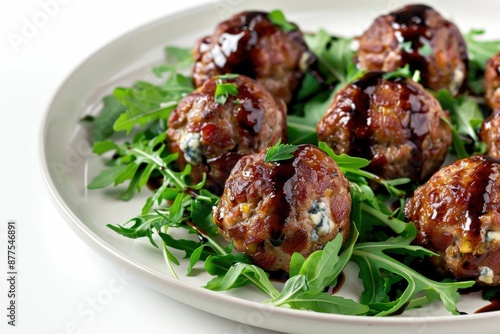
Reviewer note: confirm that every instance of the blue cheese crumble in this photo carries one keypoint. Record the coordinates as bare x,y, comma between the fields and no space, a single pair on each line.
190,144
320,218
486,275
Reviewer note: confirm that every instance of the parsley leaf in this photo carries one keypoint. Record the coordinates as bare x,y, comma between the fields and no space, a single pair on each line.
280,152
223,90
278,18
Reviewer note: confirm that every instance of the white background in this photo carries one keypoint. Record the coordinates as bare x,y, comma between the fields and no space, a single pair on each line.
63,285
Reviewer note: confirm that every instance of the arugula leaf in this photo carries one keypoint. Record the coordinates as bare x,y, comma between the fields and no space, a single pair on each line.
351,167
335,56
103,123
323,267
371,258
178,58
220,264
241,274
326,303
466,120
201,211
278,18
309,278
280,152
146,102
299,132
142,226
333,69
480,51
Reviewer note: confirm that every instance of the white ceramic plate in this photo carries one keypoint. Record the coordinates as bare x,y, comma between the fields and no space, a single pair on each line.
69,164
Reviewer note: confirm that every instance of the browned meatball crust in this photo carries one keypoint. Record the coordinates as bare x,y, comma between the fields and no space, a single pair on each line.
419,36
212,137
271,210
492,82
250,44
394,123
490,133
457,214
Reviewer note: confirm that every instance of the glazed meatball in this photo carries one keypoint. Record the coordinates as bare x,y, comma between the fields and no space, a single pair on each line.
273,209
492,82
457,214
212,136
419,36
490,133
250,44
394,123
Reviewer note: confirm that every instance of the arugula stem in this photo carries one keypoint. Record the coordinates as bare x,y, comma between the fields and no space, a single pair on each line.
388,184
165,255
214,244
164,170
272,292
395,224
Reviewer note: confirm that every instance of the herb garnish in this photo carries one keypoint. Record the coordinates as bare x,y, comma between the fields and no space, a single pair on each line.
277,17
279,152
223,90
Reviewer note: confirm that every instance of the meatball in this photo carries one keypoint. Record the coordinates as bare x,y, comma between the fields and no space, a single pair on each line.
492,82
249,43
419,36
395,123
490,133
212,136
273,209
457,214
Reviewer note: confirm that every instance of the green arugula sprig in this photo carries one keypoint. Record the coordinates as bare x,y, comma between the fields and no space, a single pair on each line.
174,204
374,262
466,120
146,102
305,287
479,51
178,59
335,69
